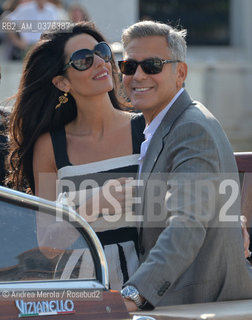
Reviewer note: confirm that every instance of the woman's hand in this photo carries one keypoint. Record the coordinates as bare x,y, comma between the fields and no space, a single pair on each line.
115,197
246,239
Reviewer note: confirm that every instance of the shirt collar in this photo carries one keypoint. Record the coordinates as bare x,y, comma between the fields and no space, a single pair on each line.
151,128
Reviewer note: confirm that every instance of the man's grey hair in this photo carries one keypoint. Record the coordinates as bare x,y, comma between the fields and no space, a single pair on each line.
175,38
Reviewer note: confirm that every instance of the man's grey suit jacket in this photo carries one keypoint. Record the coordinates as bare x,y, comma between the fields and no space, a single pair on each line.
193,255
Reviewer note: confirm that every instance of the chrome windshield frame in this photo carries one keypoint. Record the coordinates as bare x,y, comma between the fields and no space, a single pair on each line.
50,207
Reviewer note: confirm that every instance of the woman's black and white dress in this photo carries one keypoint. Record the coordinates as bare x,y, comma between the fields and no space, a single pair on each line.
119,238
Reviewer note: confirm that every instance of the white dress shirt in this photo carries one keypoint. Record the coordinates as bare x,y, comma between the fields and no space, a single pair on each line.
151,128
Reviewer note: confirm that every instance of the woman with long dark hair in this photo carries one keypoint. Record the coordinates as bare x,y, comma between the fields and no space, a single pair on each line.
68,125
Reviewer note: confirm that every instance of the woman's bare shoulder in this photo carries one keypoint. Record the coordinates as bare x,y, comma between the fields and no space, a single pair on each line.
44,140
43,151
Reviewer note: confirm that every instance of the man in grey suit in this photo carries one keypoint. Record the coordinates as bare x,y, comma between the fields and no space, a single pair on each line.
195,252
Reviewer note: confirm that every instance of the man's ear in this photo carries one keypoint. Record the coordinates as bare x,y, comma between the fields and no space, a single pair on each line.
61,83
181,74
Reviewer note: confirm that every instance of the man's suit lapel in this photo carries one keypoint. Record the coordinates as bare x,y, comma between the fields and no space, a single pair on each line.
157,142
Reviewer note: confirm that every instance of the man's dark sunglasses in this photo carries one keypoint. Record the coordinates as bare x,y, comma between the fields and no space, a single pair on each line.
149,66
83,59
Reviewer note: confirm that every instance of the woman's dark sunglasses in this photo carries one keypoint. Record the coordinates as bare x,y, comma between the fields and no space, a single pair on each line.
149,66
83,59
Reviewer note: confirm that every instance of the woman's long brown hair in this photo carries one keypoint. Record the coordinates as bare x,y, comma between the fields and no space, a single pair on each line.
34,110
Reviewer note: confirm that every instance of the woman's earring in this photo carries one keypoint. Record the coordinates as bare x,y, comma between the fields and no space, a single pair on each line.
62,99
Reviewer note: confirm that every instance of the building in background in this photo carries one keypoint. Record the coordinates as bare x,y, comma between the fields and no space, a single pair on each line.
219,51
219,57
110,16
